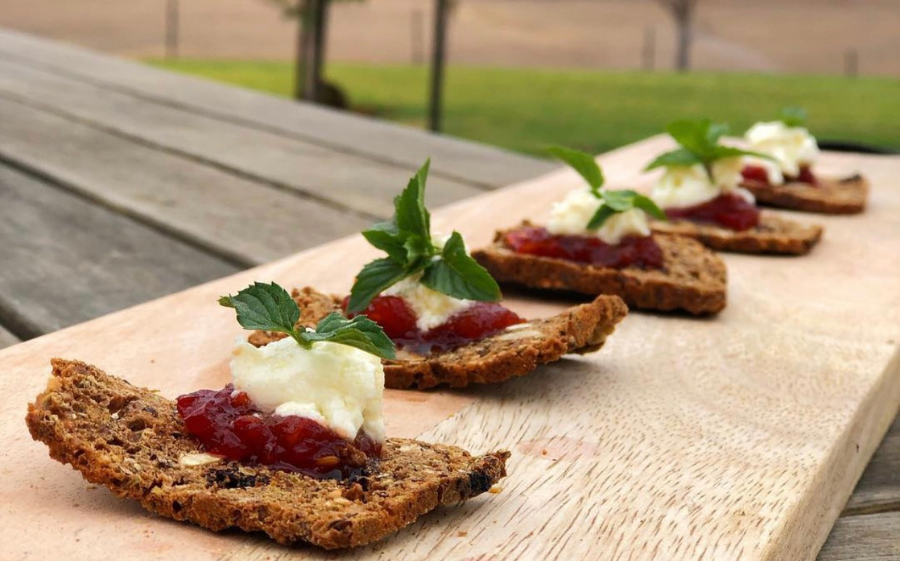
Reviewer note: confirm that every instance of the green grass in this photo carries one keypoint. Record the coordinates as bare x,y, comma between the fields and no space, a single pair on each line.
527,109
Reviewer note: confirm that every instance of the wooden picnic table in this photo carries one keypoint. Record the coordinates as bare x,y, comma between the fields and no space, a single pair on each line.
120,183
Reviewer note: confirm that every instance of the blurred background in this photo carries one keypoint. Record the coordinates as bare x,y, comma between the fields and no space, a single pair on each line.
521,74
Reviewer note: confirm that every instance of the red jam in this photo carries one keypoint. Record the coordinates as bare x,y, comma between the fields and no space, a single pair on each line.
398,320
227,424
728,210
757,174
632,251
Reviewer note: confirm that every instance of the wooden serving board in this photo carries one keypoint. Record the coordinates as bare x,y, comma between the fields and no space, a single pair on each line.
738,437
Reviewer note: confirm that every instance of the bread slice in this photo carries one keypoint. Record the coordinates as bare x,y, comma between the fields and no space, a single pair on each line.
132,440
773,234
692,279
513,352
831,196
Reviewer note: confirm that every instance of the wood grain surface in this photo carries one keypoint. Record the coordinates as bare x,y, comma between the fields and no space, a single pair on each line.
871,537
243,221
104,260
7,338
469,162
738,437
342,179
878,489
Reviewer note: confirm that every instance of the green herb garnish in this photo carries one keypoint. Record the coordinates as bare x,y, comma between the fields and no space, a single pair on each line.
406,239
793,116
612,202
699,144
269,307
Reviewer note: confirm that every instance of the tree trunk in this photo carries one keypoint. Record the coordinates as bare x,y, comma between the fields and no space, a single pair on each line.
685,37
683,12
437,64
311,35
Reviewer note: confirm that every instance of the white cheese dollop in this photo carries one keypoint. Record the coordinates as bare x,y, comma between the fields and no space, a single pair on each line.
791,147
339,386
684,186
431,307
570,217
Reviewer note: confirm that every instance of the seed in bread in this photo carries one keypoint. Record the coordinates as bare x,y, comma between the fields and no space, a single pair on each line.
773,234
692,278
830,196
513,352
132,440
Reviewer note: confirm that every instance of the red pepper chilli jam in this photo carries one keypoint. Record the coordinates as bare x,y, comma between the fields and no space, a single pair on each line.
226,423
632,251
758,174
728,210
397,318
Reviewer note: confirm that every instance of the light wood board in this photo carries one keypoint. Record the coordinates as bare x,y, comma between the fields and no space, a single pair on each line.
738,437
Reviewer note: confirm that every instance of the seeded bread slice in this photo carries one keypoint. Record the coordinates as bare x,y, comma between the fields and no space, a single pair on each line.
132,440
513,352
692,279
773,234
831,196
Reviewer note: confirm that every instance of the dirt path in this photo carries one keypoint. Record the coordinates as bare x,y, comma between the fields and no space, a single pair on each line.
763,35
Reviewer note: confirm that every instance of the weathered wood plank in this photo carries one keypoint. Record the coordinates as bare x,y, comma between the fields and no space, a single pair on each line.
872,537
7,338
348,181
66,260
878,489
247,222
453,158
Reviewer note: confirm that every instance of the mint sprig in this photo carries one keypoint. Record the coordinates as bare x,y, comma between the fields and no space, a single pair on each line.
699,144
406,239
612,202
269,307
793,116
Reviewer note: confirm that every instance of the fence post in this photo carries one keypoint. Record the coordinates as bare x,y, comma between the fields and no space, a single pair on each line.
417,37
648,54
851,63
172,29
437,64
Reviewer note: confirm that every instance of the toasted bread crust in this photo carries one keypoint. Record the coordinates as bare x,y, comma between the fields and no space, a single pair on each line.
692,279
512,352
832,195
773,234
132,440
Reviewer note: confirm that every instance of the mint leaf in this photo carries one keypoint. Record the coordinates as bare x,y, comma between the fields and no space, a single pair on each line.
620,201
714,132
699,140
407,241
793,116
583,163
647,204
693,134
359,332
269,307
264,306
600,217
722,152
675,158
386,237
374,278
458,275
410,214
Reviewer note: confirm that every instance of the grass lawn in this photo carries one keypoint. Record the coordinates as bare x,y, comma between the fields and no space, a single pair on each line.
527,109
